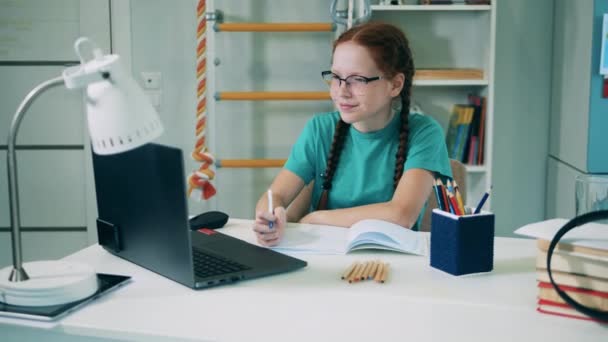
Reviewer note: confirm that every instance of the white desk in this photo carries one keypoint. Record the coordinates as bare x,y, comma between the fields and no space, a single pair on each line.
418,303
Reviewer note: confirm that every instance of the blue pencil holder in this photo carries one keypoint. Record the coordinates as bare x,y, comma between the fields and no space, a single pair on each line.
462,244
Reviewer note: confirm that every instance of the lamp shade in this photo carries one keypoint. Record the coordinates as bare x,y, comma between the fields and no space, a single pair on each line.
119,114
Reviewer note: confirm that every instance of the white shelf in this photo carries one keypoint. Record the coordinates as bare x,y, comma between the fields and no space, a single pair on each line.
475,168
456,44
430,7
447,82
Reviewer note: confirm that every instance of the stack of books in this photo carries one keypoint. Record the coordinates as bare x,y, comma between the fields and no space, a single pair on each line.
579,266
582,272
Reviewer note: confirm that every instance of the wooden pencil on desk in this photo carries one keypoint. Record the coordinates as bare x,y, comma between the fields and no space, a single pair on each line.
353,275
349,270
359,275
373,270
379,272
365,270
366,266
378,269
384,273
369,271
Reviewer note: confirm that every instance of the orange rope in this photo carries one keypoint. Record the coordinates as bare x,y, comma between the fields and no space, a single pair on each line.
275,27
199,182
272,95
250,163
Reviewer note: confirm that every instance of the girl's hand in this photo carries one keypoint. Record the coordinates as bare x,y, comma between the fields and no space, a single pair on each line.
270,236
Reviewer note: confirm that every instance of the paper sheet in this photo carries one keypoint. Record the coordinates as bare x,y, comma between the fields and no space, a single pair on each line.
594,235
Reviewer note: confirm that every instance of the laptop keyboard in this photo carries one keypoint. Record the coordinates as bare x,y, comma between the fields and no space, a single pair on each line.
209,265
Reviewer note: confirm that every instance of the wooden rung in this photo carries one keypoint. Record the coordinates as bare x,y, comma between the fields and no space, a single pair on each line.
249,163
272,95
275,27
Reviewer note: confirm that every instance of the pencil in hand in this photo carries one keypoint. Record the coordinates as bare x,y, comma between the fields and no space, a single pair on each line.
270,207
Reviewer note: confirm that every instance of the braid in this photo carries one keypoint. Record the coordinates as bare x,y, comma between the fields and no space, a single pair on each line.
400,157
405,128
332,162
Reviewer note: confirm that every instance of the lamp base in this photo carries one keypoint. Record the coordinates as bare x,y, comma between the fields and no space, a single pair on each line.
49,283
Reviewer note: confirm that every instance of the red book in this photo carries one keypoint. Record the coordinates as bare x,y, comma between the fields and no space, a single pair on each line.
482,129
564,310
550,302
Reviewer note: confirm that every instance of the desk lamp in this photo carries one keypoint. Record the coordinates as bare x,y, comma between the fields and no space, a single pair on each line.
120,118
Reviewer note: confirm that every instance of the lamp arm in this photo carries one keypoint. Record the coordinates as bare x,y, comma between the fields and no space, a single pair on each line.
18,273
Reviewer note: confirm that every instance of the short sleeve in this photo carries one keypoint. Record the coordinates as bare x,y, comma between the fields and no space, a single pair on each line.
427,149
302,157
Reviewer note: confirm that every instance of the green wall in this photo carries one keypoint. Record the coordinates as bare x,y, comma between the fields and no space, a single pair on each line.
524,34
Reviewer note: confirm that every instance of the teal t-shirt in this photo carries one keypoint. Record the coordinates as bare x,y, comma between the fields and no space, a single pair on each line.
367,162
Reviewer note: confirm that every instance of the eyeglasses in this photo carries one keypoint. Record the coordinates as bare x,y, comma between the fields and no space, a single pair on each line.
355,83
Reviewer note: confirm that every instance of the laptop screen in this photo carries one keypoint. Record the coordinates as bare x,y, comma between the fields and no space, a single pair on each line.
141,197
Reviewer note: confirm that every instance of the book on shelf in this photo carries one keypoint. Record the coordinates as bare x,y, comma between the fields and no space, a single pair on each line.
458,129
572,279
482,130
464,137
589,298
474,131
365,234
560,309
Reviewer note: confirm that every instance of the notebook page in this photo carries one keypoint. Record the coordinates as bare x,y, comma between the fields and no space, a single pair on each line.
313,239
390,234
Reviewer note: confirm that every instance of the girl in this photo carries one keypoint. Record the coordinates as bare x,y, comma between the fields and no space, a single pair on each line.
369,159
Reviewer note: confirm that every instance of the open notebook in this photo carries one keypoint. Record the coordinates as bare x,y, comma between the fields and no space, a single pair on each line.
365,234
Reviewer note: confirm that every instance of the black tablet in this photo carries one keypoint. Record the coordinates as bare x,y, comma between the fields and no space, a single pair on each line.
106,282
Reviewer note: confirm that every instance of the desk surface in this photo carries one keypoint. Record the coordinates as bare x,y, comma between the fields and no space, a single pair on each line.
418,303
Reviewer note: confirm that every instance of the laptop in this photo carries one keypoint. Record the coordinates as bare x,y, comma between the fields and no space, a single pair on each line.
143,218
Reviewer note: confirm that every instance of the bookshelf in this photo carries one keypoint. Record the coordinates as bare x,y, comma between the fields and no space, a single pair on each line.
454,48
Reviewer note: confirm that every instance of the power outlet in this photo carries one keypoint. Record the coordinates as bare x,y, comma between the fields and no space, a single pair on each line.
151,79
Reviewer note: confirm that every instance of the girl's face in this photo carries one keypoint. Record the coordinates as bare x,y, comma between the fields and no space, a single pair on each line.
367,106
